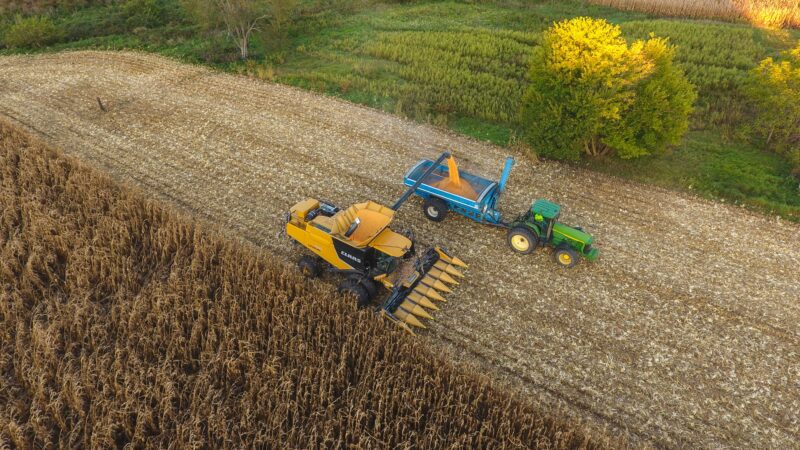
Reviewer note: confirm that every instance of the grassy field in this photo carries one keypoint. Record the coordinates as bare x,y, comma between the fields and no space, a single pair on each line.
462,66
123,323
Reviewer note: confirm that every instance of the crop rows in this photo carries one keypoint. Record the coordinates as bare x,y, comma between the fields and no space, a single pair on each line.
715,57
123,322
773,13
482,73
472,73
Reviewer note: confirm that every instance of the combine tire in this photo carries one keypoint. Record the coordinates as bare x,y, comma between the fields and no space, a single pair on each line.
435,209
357,290
522,240
309,266
565,257
370,286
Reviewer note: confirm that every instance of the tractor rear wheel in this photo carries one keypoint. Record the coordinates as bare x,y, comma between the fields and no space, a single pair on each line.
354,288
522,240
565,257
435,209
309,266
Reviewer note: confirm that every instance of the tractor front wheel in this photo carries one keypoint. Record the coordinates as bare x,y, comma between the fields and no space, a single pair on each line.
522,240
354,288
309,266
565,257
435,209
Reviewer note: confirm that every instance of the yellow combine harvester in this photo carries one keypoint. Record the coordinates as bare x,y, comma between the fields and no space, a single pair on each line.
358,243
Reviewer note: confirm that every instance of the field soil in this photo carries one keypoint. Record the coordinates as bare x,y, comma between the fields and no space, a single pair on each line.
683,333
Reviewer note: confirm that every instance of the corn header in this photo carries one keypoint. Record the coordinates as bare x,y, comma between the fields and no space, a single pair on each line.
357,243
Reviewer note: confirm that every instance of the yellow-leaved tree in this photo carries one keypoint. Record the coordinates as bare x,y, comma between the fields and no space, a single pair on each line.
775,92
592,93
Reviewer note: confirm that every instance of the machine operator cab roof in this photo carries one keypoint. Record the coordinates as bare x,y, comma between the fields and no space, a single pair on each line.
546,209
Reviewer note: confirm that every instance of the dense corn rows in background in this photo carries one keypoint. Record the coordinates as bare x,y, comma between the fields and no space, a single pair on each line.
481,72
476,73
772,13
122,322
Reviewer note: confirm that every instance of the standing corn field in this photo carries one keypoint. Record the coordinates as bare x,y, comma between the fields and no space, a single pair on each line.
125,323
770,13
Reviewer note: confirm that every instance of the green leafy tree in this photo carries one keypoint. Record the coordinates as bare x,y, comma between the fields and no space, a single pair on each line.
592,93
241,19
775,92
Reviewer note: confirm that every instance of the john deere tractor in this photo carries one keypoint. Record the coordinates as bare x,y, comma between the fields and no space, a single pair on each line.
540,227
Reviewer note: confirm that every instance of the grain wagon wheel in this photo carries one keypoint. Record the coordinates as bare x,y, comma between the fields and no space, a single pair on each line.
435,209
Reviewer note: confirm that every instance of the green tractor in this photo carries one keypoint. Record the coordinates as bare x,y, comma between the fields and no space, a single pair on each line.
540,227
445,188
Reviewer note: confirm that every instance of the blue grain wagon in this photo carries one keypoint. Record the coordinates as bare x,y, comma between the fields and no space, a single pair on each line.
472,196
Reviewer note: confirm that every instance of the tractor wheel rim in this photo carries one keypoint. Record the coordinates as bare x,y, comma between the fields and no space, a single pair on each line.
433,212
565,258
520,243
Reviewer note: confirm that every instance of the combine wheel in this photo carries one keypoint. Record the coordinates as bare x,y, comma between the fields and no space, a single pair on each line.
435,209
370,286
352,287
309,266
522,240
565,257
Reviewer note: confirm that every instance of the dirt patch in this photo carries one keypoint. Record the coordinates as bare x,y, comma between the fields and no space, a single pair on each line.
684,332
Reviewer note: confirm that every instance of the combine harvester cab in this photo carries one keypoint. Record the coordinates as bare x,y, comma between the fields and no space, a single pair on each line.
358,243
445,188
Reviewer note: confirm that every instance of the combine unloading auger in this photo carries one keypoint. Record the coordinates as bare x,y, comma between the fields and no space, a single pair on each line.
358,243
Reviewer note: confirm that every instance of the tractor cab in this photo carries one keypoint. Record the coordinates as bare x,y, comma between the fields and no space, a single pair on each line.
544,213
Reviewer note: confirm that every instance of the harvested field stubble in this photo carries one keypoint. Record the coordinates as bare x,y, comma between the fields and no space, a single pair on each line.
122,322
684,332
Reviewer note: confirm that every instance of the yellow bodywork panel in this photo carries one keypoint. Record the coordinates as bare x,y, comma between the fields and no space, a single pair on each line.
303,208
391,243
318,241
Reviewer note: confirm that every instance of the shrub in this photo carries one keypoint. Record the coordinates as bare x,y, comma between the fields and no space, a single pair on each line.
144,13
590,92
775,93
31,32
